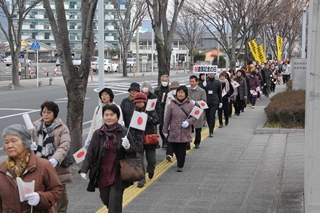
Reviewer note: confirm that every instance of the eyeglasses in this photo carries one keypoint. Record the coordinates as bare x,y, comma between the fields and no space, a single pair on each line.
47,112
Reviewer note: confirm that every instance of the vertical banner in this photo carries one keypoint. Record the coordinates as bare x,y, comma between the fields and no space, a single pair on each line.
261,55
279,47
253,48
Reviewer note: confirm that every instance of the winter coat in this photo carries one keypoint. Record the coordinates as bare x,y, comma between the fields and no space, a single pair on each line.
214,86
226,98
254,82
198,94
92,159
157,108
159,92
46,182
174,117
62,145
127,108
268,77
286,69
97,119
151,127
170,97
242,88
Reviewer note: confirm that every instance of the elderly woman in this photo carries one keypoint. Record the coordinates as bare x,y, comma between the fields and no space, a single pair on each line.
177,117
108,146
23,163
53,143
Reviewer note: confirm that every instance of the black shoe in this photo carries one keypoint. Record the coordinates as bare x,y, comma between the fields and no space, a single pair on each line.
179,170
196,146
226,123
140,184
237,114
221,125
150,175
210,135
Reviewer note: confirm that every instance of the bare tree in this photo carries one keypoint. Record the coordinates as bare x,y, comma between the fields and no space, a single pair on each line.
227,19
17,10
163,31
76,79
190,29
127,24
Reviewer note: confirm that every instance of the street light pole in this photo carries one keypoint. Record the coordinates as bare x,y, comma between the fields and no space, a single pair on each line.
304,21
152,49
137,50
101,43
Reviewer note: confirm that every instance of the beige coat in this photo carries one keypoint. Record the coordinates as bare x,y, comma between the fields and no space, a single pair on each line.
62,144
198,94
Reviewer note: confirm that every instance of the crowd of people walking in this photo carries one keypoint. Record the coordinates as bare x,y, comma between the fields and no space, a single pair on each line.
42,153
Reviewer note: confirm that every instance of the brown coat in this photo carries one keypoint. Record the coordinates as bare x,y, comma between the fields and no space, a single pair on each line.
174,117
62,144
46,183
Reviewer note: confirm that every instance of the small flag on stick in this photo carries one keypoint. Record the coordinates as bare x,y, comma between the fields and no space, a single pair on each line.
139,120
80,155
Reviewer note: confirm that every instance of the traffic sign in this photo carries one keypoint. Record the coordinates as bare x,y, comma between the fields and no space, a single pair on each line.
35,45
24,43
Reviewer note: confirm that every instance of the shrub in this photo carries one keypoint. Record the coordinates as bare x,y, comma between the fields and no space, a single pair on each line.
287,108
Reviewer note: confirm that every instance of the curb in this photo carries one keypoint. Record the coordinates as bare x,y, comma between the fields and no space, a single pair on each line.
261,130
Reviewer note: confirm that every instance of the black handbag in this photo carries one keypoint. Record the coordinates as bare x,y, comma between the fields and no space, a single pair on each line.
67,161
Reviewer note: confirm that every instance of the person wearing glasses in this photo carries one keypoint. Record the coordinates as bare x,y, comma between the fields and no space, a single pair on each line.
52,142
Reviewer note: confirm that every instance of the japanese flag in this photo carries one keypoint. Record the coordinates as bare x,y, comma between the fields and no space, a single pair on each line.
235,84
196,112
151,105
24,188
224,92
27,121
80,155
139,120
202,104
253,92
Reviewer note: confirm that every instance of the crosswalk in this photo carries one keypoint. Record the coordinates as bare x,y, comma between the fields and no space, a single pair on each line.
121,87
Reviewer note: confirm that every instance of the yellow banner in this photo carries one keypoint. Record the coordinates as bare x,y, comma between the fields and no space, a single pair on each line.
261,54
253,48
279,47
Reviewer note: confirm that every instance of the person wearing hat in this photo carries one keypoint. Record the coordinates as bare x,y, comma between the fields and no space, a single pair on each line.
170,96
177,117
140,102
127,105
214,99
106,96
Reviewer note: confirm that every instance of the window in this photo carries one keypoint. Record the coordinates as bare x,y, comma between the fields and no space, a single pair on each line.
73,5
46,35
34,34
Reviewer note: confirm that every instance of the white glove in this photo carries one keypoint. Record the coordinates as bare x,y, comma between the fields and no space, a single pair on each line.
245,97
33,146
122,123
84,176
87,142
270,76
33,198
53,162
193,102
165,135
125,142
204,83
185,124
220,105
264,84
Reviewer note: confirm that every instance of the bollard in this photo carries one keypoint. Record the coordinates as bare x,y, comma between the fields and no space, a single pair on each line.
11,86
40,83
51,81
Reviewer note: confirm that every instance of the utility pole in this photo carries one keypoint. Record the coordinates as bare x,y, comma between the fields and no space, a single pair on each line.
137,50
303,39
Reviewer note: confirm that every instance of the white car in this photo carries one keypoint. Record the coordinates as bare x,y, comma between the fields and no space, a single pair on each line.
7,61
76,61
108,65
131,62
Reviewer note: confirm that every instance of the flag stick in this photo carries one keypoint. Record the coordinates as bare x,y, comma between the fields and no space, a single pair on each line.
31,209
127,131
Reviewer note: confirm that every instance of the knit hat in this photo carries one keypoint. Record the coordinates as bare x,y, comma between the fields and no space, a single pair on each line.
109,91
174,85
140,97
134,86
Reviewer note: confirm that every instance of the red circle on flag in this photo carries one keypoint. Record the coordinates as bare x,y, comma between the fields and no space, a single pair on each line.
197,112
203,104
80,154
140,120
27,190
152,104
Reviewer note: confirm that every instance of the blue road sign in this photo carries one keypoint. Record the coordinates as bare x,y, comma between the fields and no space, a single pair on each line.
35,45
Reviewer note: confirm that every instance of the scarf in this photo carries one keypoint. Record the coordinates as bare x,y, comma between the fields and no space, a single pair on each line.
45,139
226,82
110,135
131,98
16,170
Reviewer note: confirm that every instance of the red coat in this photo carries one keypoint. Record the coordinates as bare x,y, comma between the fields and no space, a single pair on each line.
46,183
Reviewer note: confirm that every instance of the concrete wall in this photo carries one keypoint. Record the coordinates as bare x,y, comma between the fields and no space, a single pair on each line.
298,73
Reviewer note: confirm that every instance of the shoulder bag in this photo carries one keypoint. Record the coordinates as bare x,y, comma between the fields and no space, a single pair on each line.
131,169
151,139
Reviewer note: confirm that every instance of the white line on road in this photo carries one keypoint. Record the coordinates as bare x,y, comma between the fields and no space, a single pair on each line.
14,115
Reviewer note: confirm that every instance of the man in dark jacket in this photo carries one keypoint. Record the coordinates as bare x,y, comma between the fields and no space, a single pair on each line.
127,105
161,92
214,100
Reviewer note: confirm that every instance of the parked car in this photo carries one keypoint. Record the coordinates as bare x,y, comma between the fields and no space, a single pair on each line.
131,62
76,61
108,65
58,62
52,60
7,61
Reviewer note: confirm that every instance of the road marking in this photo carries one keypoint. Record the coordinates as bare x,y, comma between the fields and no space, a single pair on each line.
14,115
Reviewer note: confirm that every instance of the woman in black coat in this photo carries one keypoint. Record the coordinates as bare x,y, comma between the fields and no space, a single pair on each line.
227,91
